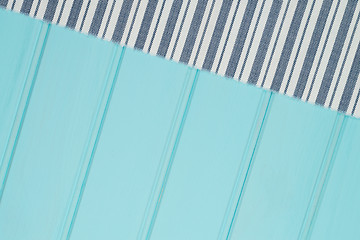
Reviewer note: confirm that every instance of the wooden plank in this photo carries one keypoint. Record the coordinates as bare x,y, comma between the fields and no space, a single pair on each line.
54,137
284,171
208,159
19,37
338,215
138,131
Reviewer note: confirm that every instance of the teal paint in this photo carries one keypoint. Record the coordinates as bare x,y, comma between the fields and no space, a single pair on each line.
23,106
338,216
323,177
16,77
244,171
100,142
53,136
284,171
17,60
142,111
88,157
207,159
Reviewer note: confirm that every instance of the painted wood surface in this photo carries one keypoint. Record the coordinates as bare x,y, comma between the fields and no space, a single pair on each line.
15,76
102,142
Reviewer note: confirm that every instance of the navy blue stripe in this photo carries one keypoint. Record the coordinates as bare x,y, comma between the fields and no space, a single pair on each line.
122,20
132,22
322,51
299,47
86,11
37,8
264,42
169,28
205,28
98,17
180,29
275,43
193,31
336,51
74,13
26,6
50,10
251,40
108,20
356,102
314,44
4,3
156,26
217,34
343,63
240,39
350,84
61,11
289,45
145,25
227,36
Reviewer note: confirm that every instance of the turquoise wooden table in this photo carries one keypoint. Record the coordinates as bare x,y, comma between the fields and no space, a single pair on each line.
99,141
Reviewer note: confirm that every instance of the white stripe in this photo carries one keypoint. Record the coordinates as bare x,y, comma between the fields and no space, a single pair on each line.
342,55
184,31
304,47
161,26
57,11
279,45
251,32
153,25
105,18
176,29
33,8
200,32
42,9
66,12
208,34
232,38
9,4
89,16
113,20
81,14
137,24
357,109
295,48
353,97
317,59
256,42
17,6
327,52
223,36
346,72
129,21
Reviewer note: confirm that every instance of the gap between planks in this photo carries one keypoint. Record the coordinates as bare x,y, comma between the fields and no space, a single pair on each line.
23,104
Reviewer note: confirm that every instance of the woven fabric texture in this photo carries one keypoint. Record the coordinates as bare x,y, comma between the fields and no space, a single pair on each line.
305,49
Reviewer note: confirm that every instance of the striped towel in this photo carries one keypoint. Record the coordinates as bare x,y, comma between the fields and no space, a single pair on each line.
305,49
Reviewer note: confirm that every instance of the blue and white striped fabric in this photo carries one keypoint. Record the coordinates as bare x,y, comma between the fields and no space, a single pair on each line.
304,49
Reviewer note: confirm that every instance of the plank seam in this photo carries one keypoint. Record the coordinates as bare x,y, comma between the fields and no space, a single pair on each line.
323,177
172,156
260,125
90,149
23,104
254,132
171,137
